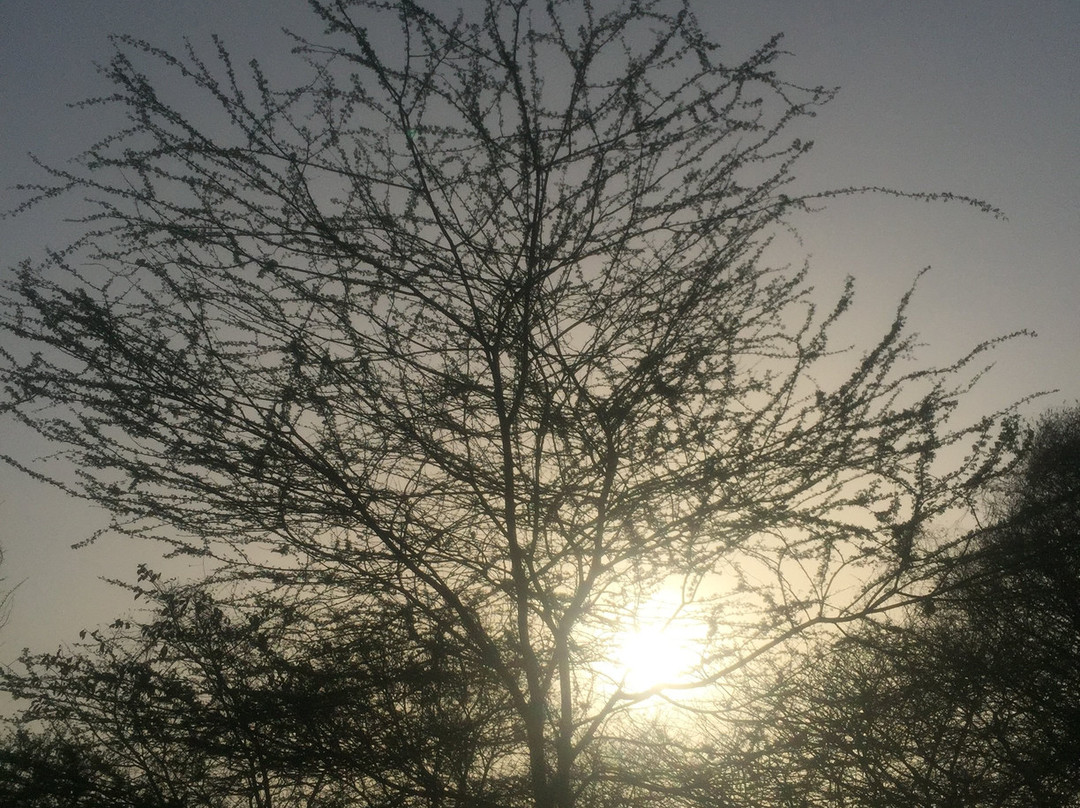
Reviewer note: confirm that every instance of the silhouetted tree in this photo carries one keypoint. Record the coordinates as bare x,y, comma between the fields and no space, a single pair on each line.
973,698
482,319
1020,595
270,700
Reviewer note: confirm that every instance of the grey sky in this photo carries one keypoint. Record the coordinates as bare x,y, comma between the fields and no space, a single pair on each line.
974,96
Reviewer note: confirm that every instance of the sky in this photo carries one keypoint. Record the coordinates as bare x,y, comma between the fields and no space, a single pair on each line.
977,97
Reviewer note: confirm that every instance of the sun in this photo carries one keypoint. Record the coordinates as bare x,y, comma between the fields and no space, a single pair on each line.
663,648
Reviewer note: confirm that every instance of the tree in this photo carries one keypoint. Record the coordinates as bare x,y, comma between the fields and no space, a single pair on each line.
488,326
252,701
972,698
1019,594
1027,558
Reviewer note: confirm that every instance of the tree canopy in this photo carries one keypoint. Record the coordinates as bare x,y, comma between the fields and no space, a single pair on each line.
970,699
474,341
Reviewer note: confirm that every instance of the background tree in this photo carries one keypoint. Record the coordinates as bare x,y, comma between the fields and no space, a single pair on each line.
1019,595
972,699
267,700
484,322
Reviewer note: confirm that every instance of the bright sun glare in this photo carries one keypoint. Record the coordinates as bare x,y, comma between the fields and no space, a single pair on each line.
660,649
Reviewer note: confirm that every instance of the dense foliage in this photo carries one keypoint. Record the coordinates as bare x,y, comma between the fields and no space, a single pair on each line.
973,698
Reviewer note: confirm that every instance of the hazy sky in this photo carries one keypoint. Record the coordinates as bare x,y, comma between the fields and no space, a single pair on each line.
979,97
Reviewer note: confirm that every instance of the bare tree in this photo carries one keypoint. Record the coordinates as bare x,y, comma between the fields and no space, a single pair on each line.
483,321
